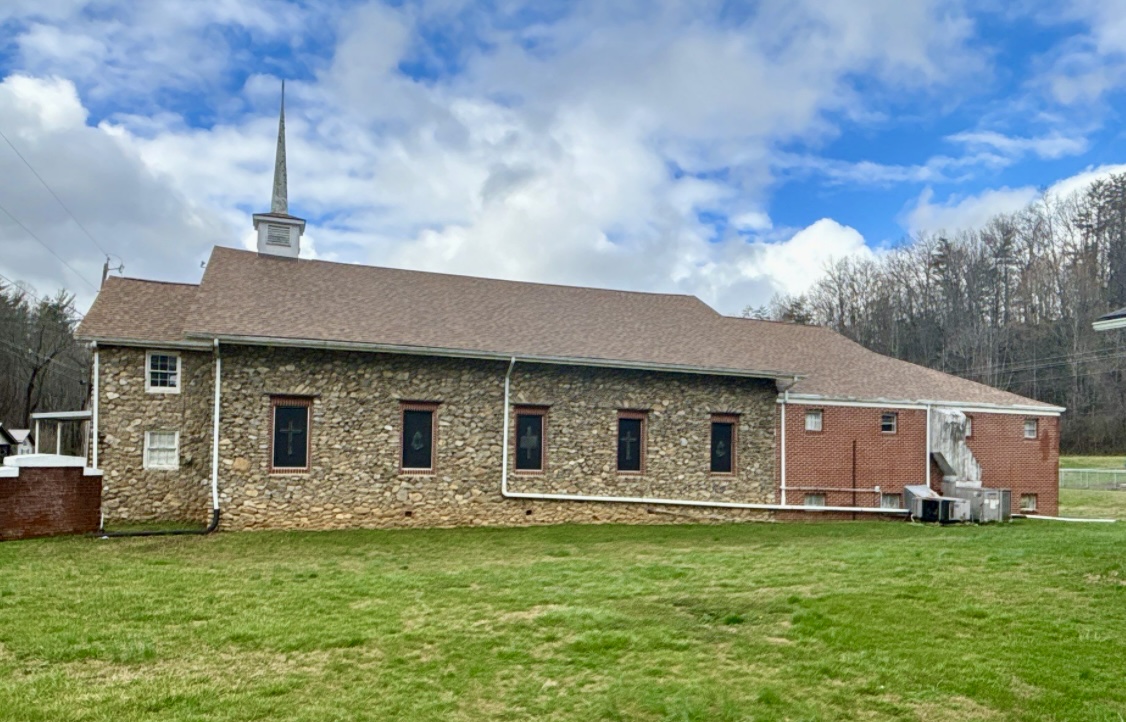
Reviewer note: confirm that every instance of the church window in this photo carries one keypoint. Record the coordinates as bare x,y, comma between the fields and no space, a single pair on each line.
290,442
162,372
631,441
724,434
419,425
162,450
531,438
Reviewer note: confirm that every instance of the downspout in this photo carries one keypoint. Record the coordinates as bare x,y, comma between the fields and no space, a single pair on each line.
927,461
214,473
644,500
782,466
504,441
94,410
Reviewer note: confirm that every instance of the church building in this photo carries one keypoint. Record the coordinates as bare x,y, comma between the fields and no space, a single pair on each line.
282,392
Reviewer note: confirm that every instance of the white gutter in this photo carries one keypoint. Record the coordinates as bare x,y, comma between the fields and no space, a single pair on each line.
1110,324
645,500
215,434
495,356
94,410
988,408
141,343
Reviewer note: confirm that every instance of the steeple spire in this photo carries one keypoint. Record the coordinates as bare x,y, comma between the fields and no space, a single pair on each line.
279,234
280,201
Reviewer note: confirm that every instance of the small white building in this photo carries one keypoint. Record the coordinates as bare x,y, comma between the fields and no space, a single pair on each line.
1112,320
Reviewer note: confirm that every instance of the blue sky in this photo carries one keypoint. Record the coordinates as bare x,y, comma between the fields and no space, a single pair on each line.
725,149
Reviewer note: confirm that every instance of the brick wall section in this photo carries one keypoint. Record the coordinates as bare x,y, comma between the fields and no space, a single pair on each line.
48,501
1009,461
126,411
823,460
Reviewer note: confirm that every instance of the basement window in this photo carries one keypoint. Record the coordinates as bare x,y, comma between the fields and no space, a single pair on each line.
162,450
815,500
1028,502
1031,428
891,501
813,419
162,372
889,422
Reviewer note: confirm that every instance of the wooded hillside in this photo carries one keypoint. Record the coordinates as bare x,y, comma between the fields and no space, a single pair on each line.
42,367
1009,304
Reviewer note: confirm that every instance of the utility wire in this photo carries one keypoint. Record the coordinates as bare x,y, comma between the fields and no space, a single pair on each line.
12,348
1046,362
49,249
54,195
38,299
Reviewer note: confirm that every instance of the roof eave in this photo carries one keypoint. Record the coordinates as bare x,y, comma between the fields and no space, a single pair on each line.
982,406
1109,324
143,342
772,374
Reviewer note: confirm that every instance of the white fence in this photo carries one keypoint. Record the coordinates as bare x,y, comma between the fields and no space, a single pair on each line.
1102,479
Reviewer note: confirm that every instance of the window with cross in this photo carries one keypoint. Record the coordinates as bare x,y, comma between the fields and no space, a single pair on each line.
631,441
290,437
531,441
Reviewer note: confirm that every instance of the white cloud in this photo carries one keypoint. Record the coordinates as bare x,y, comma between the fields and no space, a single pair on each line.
581,150
1054,145
973,211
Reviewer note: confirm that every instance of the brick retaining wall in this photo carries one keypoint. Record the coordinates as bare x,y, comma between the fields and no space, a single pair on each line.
46,501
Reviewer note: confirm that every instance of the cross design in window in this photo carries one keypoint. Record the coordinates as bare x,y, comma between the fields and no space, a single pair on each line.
629,440
529,442
291,431
720,448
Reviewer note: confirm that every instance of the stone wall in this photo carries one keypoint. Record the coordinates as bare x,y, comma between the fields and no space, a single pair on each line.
126,411
354,478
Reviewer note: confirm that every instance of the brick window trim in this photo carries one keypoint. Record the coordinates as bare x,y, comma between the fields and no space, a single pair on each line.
307,402
895,422
179,373
643,446
732,419
530,410
432,407
805,421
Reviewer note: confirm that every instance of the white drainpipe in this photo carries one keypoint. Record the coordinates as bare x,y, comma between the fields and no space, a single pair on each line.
94,410
215,435
645,500
927,461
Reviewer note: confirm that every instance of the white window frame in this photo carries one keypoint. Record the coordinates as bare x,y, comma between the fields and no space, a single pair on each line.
969,426
894,422
149,388
1035,424
1034,498
819,415
148,446
815,500
891,501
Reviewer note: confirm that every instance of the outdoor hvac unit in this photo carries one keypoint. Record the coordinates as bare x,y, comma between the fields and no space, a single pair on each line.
942,510
986,505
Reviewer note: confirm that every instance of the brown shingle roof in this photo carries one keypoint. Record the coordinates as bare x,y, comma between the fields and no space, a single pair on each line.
129,308
245,295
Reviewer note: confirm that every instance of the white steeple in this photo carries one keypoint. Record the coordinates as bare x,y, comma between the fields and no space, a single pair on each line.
279,234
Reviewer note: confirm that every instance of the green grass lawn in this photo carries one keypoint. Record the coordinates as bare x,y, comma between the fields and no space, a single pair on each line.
1093,462
824,621
1083,503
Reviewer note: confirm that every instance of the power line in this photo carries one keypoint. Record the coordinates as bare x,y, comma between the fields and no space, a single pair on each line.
13,348
1046,362
54,195
49,249
37,298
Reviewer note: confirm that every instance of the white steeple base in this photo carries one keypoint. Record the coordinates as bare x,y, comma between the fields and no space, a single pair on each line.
278,234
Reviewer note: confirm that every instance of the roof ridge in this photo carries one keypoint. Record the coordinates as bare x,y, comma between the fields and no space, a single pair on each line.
476,278
150,280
